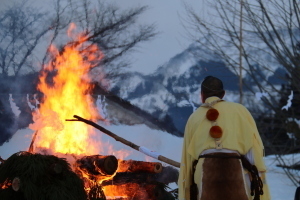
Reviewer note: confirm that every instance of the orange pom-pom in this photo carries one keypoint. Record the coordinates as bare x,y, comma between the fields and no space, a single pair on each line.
212,114
215,132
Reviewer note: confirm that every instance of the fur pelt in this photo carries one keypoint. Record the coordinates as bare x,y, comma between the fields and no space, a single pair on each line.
223,178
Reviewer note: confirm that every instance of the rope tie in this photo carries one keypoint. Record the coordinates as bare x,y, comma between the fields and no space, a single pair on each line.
256,182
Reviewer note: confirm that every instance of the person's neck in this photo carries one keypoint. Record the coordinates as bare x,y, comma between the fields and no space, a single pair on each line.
211,97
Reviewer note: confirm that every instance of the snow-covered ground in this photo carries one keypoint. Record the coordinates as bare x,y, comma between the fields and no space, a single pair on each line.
281,187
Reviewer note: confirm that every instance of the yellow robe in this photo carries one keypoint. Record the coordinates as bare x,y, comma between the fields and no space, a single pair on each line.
239,133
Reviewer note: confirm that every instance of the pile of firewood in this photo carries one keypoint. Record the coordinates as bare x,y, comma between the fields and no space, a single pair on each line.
129,179
29,176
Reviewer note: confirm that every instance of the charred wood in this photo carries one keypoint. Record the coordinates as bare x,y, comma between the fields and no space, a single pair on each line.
127,177
166,176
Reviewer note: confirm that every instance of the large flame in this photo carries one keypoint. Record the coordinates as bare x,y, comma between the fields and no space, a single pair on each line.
65,85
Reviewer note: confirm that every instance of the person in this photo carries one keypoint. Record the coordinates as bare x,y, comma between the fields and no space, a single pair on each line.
218,137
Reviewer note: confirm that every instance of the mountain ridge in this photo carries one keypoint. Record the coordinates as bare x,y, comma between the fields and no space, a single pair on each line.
173,89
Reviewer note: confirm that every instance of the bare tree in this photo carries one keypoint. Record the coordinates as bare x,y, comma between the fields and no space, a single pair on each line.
269,40
115,31
21,29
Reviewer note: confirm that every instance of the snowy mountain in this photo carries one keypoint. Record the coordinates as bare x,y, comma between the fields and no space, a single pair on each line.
173,89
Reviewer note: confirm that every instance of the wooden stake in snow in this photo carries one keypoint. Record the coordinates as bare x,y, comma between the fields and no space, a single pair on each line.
128,143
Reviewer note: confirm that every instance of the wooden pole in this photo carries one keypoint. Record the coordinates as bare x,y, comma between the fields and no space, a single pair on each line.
126,142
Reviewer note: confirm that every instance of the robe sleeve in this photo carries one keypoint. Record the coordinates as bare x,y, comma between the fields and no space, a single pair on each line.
258,148
184,180
258,157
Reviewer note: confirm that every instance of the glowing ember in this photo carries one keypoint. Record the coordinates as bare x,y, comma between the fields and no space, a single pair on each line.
65,84
129,190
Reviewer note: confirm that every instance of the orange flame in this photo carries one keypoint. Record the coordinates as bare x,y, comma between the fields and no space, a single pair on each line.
128,191
65,85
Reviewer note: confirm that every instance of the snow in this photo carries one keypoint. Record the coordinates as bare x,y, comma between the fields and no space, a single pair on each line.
289,102
177,66
14,107
280,186
130,84
161,142
155,100
259,95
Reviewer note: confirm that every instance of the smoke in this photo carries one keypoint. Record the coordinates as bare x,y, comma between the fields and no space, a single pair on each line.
168,175
16,97
8,125
13,106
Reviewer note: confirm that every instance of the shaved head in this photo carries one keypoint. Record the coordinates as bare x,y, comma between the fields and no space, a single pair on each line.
212,86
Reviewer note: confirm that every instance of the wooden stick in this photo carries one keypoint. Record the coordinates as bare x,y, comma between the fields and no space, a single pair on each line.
126,142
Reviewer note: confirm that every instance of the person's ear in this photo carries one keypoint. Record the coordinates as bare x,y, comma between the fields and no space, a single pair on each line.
202,97
223,95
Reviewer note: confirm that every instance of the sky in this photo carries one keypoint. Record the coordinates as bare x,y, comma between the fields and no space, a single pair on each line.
172,38
166,15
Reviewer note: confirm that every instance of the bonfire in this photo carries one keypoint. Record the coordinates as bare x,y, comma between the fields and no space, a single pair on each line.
63,161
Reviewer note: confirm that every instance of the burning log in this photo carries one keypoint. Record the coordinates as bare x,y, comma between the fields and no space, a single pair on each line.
98,164
139,166
126,142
